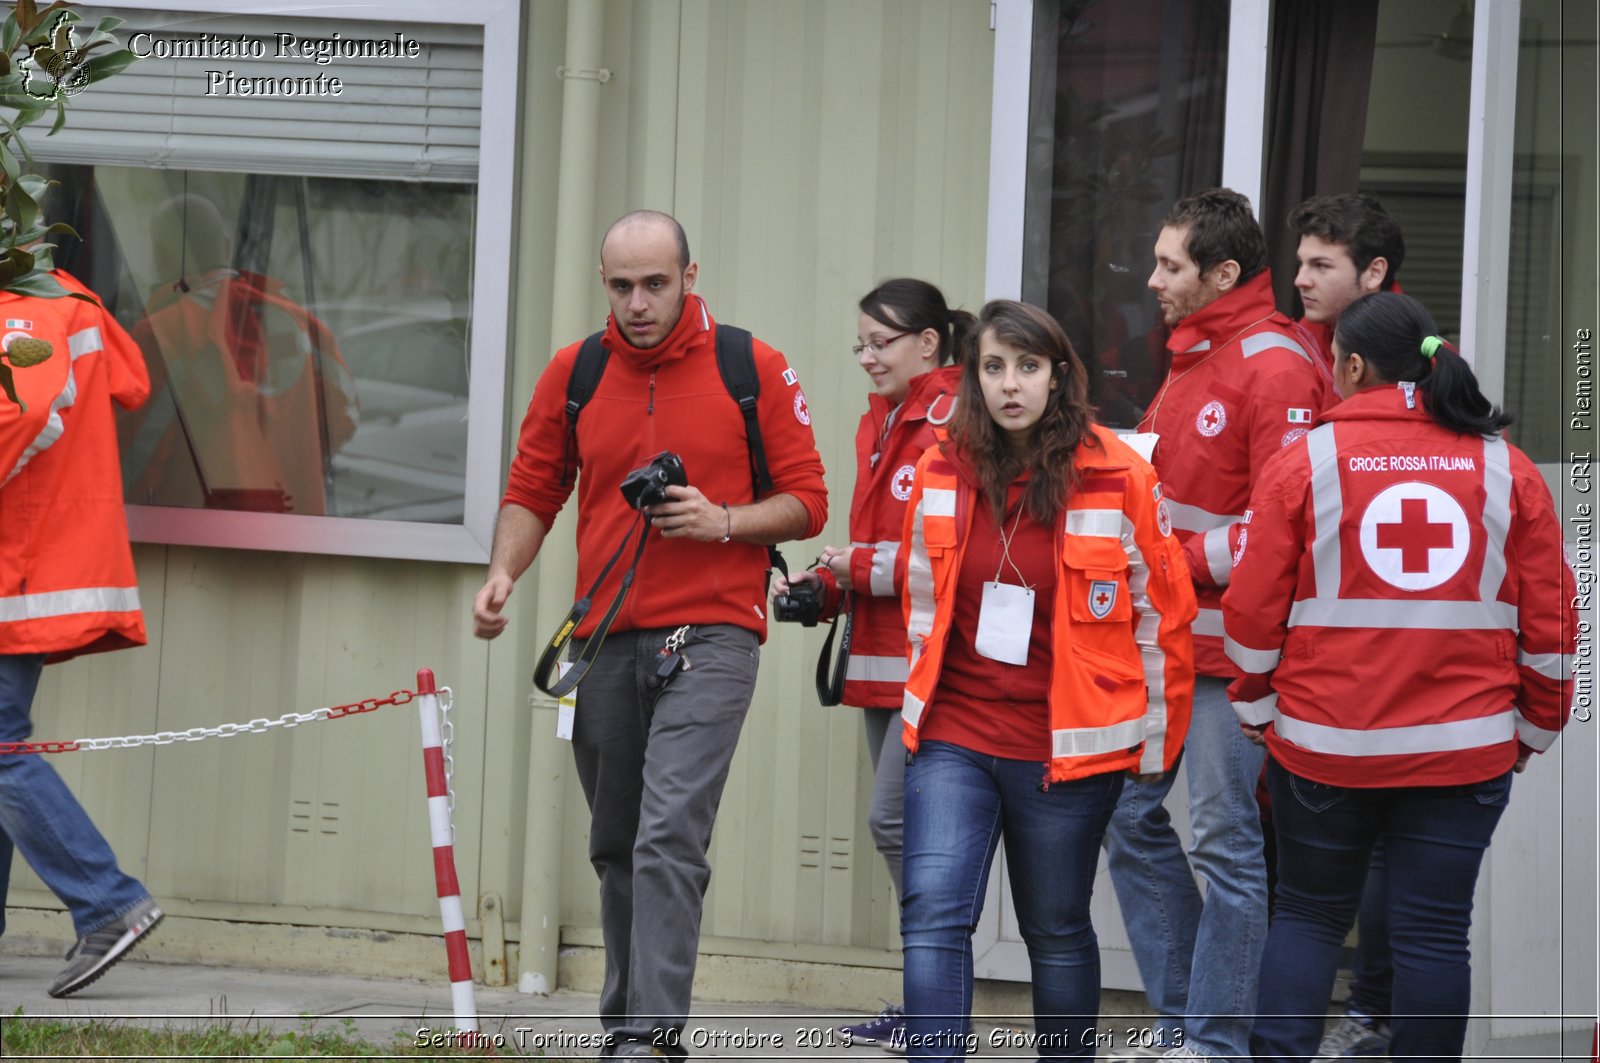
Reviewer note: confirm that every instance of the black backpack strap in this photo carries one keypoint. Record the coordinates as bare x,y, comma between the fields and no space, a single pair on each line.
736,361
586,373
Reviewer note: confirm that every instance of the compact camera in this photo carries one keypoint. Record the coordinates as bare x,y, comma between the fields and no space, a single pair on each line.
802,605
647,485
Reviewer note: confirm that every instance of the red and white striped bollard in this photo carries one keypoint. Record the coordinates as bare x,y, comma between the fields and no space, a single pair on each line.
444,855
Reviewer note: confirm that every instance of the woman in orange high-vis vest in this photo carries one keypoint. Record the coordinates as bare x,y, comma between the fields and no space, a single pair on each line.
1048,610
1402,617
907,341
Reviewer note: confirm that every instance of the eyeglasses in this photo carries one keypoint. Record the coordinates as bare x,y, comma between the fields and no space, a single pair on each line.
876,346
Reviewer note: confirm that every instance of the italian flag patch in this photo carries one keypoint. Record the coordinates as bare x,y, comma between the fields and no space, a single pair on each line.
1299,416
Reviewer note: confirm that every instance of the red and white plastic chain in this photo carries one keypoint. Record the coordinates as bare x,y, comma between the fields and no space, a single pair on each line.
260,725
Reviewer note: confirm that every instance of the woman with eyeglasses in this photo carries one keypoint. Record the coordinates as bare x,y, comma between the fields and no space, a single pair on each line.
908,340
1400,611
1048,608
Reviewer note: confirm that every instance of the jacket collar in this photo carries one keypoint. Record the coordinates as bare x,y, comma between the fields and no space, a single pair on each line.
1383,403
923,398
693,329
1222,319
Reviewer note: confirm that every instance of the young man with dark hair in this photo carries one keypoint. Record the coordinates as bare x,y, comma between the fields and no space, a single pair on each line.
1240,388
1349,247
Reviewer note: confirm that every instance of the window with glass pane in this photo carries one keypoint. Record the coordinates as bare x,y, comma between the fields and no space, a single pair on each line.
306,337
297,268
1125,118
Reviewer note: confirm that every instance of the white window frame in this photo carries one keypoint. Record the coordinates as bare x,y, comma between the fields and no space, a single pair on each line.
469,540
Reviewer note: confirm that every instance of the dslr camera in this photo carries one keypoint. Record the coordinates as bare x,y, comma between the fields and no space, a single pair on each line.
802,605
647,485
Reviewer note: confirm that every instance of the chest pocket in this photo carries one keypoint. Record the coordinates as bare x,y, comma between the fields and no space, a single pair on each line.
1097,569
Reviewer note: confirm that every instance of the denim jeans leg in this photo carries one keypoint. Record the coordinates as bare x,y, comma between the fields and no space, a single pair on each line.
1436,841
1325,835
1223,767
44,821
1052,839
952,828
1373,973
1156,892
886,813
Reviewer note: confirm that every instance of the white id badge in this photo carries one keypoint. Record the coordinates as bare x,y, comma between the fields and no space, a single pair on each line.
567,707
1005,623
1144,443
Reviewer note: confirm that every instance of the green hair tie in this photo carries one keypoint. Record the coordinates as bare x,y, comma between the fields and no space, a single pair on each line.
1431,345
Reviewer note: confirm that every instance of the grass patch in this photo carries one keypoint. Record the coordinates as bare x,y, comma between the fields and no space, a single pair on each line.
317,1038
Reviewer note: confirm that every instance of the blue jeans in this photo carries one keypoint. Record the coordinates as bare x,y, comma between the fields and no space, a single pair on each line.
1434,838
40,817
958,806
1199,960
1372,984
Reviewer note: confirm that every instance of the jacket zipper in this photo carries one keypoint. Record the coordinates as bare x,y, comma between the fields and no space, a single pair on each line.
650,408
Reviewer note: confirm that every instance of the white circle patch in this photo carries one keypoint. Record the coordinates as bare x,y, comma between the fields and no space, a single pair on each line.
1163,518
1415,535
1212,418
801,412
900,486
1291,435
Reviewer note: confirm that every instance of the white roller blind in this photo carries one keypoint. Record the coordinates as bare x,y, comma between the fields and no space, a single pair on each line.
393,117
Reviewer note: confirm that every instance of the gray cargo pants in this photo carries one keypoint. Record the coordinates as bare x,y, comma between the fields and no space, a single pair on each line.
653,763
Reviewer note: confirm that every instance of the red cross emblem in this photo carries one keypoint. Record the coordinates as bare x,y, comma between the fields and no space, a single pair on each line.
1212,419
1414,535
1102,597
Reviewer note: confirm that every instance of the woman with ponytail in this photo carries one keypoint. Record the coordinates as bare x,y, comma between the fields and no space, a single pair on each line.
909,342
1049,610
1402,529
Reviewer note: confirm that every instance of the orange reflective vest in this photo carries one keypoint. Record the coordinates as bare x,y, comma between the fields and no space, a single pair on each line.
1122,680
67,583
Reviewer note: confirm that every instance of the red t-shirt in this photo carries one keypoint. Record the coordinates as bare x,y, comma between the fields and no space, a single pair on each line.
995,708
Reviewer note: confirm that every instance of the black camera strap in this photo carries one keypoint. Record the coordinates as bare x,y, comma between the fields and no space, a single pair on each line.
830,690
580,609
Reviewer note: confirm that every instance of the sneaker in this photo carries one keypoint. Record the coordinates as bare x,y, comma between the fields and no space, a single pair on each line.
97,950
896,1041
881,1027
1353,1035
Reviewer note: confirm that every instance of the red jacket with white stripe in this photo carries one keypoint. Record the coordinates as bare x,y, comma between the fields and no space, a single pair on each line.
67,582
1402,608
1122,671
889,441
1240,388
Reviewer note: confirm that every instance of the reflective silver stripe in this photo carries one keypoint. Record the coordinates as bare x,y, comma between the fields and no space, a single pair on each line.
53,424
1557,666
1256,662
1328,508
1266,341
1534,736
1219,556
1208,622
1083,741
880,581
911,709
1389,741
1257,713
1152,657
919,579
76,602
1105,523
939,502
85,341
877,669
1382,612
1496,516
1203,345
1193,518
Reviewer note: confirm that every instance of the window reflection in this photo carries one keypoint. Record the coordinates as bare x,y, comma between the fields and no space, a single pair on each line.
1125,118
306,338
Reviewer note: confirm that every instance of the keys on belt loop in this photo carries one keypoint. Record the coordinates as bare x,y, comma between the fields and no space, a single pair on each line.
673,659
